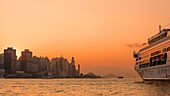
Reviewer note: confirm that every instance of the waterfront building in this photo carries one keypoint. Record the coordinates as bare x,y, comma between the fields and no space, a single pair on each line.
78,71
49,67
26,61
44,61
64,67
10,59
36,60
54,67
18,65
1,65
72,68
34,68
36,63
1,61
60,67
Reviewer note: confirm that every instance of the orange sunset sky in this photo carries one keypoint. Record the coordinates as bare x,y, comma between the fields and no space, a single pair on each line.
100,34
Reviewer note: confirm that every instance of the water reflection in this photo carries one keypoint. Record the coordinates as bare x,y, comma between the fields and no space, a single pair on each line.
83,87
158,88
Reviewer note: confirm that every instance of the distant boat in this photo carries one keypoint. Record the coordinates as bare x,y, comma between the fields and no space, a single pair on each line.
153,59
120,77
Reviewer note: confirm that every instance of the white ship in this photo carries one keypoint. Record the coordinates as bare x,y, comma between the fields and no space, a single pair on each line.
153,59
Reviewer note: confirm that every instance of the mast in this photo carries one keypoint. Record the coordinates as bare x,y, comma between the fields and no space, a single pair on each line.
160,28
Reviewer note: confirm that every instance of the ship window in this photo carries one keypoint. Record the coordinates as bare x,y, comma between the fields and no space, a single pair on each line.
156,53
136,59
165,55
158,59
136,63
154,61
168,48
164,58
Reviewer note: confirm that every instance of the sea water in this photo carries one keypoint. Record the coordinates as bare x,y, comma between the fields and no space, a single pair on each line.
83,87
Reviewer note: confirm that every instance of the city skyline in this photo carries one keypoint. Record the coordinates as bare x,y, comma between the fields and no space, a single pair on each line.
29,66
100,34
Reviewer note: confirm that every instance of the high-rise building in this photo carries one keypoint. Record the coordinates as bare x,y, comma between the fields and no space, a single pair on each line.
44,61
35,68
78,70
26,61
18,65
64,67
36,60
54,67
72,61
1,61
60,67
1,65
10,60
36,63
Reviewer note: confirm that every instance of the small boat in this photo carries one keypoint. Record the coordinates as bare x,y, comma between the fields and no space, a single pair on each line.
120,77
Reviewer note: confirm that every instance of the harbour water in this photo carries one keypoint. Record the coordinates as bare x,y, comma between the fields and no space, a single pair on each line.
83,87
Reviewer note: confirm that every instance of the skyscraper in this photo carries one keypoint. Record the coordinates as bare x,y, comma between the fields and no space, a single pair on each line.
26,61
36,62
78,70
10,60
1,61
72,61
44,61
72,68
60,67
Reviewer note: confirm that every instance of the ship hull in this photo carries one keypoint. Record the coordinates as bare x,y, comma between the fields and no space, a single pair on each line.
155,73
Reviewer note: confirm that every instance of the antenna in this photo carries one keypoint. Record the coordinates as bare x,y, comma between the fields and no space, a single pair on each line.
160,28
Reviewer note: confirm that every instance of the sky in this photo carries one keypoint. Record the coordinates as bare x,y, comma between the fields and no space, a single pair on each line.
100,34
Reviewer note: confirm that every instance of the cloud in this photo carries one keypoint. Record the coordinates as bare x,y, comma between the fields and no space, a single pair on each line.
132,45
